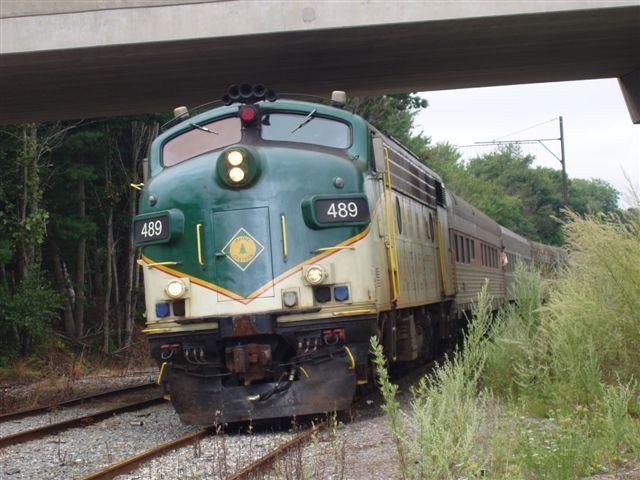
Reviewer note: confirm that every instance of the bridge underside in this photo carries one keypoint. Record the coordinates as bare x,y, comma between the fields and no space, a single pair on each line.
152,77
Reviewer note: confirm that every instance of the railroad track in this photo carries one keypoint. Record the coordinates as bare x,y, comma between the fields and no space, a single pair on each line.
18,414
250,471
39,432
253,470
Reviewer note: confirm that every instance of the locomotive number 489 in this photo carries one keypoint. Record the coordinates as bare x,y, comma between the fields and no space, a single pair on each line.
330,210
152,228
343,210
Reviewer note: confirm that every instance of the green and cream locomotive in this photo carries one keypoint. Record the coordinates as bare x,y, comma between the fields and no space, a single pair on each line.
277,237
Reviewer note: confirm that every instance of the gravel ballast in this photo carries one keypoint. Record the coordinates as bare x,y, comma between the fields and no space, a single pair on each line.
214,457
80,451
39,420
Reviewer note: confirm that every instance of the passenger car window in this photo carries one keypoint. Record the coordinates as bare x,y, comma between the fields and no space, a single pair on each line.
194,143
288,127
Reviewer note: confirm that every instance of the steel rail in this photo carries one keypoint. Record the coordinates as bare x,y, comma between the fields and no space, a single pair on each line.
39,432
273,455
18,414
133,462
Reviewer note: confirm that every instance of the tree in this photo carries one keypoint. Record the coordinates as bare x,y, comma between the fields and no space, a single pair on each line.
592,196
394,115
505,185
27,302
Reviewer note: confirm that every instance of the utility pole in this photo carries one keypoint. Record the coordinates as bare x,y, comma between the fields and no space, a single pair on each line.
561,158
565,188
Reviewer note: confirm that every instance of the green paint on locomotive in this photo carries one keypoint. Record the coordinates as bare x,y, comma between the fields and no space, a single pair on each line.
241,231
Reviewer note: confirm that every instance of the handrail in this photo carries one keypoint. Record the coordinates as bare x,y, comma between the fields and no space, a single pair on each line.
283,225
198,229
441,256
153,264
337,247
394,275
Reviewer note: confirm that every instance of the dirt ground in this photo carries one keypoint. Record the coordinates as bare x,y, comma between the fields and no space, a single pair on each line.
18,396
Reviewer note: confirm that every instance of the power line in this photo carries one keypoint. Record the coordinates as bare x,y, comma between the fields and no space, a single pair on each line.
528,128
561,158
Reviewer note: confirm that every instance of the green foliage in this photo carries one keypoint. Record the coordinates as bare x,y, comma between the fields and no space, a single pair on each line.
391,406
505,185
592,196
26,316
587,334
549,388
576,359
438,437
394,114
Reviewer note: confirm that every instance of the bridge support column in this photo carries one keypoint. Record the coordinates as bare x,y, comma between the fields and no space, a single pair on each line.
630,86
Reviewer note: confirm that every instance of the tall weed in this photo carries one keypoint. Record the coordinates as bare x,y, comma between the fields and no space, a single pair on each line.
547,389
587,334
438,437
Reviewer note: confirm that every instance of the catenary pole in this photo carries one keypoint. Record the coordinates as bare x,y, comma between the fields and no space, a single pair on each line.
540,141
565,188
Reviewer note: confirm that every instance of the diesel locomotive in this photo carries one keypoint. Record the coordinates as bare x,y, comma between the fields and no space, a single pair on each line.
277,236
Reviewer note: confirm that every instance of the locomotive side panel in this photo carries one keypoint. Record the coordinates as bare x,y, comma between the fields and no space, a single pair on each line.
412,206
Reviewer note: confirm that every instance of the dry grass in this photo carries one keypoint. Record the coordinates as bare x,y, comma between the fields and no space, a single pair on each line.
552,391
65,372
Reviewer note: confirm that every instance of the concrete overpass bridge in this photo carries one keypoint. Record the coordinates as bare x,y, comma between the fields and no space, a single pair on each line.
62,59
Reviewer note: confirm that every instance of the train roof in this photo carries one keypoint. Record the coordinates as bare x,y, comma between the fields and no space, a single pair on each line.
280,104
515,243
468,219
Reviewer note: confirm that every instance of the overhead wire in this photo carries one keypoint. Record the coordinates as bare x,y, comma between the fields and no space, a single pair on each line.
528,128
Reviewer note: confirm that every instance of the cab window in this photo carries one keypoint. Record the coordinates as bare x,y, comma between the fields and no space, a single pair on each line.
289,127
194,143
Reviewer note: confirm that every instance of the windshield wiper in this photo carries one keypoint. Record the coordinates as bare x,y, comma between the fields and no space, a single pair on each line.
306,120
204,129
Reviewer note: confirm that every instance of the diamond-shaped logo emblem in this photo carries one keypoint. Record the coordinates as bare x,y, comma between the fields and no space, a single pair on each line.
242,249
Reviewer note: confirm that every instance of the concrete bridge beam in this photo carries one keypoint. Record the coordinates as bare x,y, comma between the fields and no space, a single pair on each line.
71,59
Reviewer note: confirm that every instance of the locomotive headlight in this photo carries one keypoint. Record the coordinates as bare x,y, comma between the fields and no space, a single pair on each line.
235,158
238,167
236,175
175,289
315,274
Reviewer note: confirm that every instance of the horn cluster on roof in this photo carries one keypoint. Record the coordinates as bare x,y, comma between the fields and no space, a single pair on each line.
245,93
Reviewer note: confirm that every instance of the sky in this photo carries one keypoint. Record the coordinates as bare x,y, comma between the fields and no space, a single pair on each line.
600,139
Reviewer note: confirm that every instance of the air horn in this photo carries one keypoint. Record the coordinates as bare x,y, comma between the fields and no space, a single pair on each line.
246,93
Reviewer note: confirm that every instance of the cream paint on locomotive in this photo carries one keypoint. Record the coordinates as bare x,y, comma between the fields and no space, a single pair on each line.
517,248
416,244
470,278
417,255
344,266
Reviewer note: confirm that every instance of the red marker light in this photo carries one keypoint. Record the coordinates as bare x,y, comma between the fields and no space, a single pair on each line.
248,114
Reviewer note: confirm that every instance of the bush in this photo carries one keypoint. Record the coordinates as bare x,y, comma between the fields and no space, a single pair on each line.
551,390
587,335
26,317
438,437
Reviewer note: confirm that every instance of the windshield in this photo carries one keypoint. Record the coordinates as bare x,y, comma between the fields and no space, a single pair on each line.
218,134
289,127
